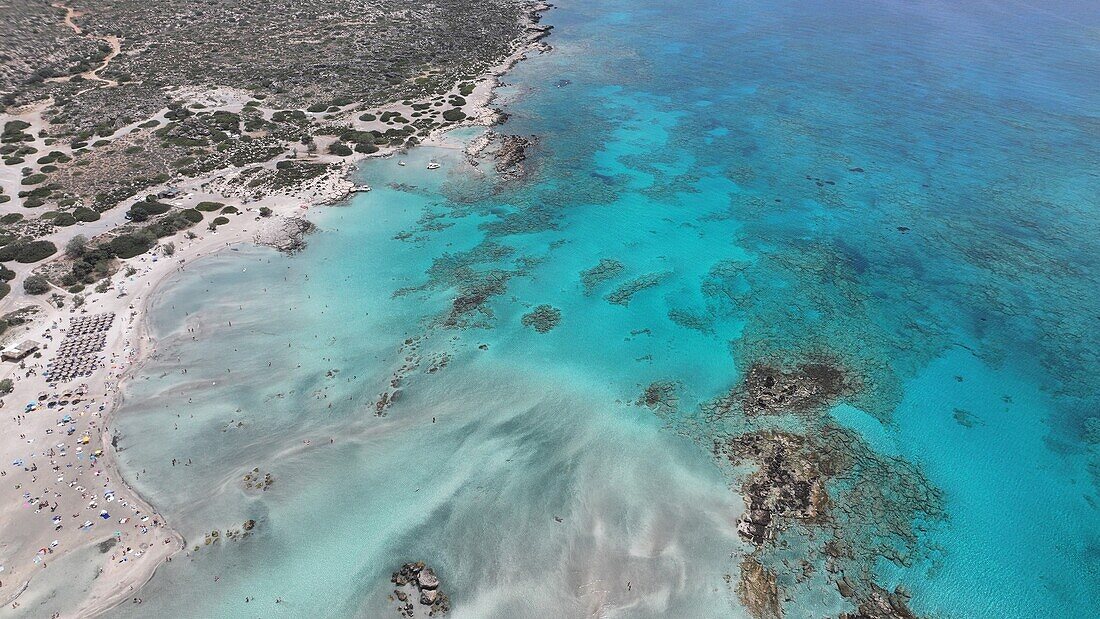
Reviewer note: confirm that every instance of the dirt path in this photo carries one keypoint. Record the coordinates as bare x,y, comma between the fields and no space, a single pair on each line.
113,41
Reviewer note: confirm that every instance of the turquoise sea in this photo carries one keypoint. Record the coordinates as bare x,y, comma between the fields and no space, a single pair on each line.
909,189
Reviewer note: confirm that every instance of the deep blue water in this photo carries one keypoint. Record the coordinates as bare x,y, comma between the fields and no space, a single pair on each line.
907,188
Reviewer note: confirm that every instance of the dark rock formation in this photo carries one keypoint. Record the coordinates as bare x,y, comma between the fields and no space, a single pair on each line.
660,396
510,156
416,582
878,604
542,319
771,390
288,236
788,484
758,591
860,507
606,270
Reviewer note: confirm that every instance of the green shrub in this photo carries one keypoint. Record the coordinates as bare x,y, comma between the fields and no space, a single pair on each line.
76,246
5,288
210,206
169,224
6,274
131,244
230,210
77,288
33,179
454,115
83,213
64,220
265,212
368,117
27,252
6,385
142,211
339,148
220,221
366,148
11,218
317,107
191,215
33,202
36,284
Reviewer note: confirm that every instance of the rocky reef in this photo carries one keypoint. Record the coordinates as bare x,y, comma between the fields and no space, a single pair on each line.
417,584
542,319
286,234
625,292
845,504
511,155
788,484
606,270
258,480
660,396
769,389
758,590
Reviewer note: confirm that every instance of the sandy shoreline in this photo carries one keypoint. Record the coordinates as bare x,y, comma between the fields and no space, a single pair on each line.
140,548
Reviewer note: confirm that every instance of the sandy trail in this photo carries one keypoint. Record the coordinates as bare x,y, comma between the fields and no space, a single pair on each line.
113,41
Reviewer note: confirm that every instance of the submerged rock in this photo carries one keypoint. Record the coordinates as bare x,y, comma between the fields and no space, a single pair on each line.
286,234
606,270
771,390
848,505
788,484
660,396
624,293
511,155
758,591
542,319
878,604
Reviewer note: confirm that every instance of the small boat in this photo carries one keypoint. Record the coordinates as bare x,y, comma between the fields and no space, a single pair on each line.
433,165
360,188
401,163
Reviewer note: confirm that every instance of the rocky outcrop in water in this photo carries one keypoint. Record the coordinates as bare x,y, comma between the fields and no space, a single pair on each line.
878,603
850,506
606,270
417,588
510,156
660,396
788,484
758,591
542,319
286,234
772,390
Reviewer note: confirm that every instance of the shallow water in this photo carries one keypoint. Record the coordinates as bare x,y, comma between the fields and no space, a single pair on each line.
909,188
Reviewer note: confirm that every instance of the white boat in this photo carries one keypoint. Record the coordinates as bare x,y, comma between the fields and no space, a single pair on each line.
401,163
433,166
